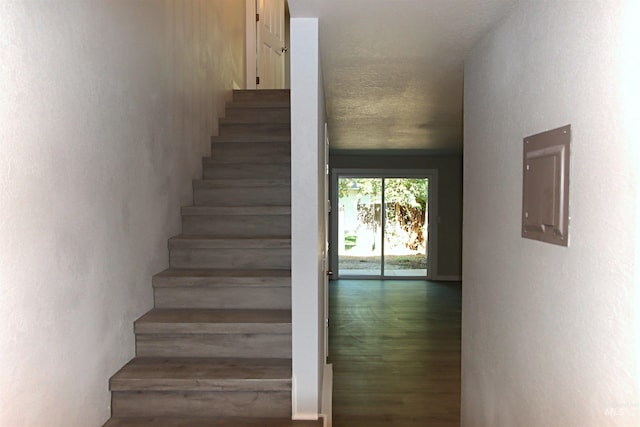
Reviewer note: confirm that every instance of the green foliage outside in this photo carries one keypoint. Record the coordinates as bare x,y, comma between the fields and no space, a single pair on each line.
406,201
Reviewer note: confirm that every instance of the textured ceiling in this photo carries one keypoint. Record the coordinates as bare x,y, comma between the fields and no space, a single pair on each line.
393,69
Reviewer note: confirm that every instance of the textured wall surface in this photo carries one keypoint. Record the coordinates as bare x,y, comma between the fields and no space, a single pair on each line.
548,332
105,111
449,169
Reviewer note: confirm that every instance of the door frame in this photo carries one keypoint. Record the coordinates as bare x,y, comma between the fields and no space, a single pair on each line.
250,44
432,244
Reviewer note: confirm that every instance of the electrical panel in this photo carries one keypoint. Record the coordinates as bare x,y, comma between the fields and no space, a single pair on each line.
545,186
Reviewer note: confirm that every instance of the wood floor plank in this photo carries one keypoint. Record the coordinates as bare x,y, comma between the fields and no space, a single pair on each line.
395,350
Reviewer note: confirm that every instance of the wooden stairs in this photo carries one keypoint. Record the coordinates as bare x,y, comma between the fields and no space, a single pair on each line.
216,348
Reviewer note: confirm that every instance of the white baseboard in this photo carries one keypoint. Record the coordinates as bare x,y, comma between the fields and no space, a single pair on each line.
326,399
449,278
327,395
296,414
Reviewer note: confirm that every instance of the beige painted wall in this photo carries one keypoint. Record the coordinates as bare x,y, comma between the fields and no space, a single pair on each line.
449,198
106,109
548,332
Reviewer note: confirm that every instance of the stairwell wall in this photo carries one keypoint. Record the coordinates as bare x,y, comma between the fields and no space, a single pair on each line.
307,217
106,110
548,332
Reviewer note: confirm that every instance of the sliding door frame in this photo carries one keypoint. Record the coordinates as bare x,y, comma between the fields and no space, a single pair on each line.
432,243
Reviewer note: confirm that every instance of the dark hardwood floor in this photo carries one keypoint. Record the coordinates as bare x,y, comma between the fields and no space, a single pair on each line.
395,350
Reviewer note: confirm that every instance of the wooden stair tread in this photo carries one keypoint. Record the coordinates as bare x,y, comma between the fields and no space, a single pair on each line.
256,125
249,95
252,121
195,241
280,146
214,321
250,276
235,210
207,422
247,128
186,315
240,183
203,374
214,161
249,138
259,104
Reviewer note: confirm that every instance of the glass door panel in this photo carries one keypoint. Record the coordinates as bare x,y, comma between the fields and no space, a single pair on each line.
406,226
360,226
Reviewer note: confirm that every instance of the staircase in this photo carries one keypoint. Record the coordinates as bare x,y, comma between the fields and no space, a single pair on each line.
216,349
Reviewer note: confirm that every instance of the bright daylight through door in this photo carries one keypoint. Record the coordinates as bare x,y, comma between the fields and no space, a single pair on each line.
371,246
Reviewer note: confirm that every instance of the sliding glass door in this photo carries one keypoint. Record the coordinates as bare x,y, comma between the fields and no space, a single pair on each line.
383,226
359,226
406,226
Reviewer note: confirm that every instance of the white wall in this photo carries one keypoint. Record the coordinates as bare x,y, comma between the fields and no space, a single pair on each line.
307,234
106,109
548,332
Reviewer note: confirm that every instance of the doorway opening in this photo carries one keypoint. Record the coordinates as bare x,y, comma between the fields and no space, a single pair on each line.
266,44
383,224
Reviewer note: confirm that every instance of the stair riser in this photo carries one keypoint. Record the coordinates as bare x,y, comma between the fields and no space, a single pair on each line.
250,280
238,225
275,259
237,156
224,298
214,345
264,95
256,170
201,404
255,138
253,196
264,129
248,151
258,115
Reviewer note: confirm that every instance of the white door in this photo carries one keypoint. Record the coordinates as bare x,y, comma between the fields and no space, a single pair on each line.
271,44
